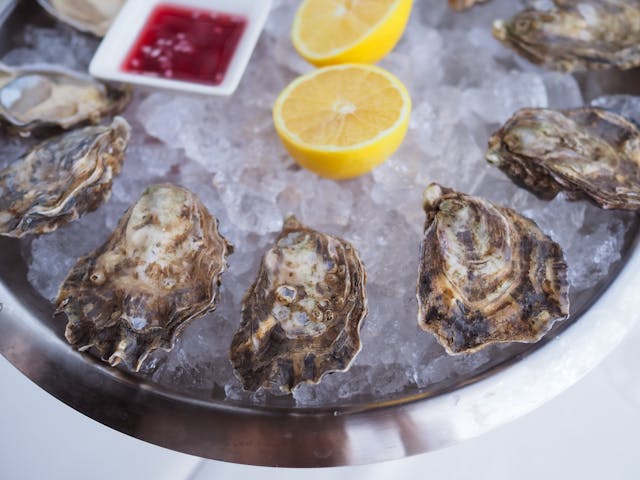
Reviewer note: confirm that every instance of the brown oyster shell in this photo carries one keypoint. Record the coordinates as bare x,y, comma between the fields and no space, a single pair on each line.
460,5
301,318
587,152
34,97
93,16
61,179
487,274
576,35
159,270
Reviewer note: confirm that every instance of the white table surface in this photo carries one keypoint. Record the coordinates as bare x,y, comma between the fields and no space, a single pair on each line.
588,432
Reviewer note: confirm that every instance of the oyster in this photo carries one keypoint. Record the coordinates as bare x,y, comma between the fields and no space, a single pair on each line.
301,317
576,34
487,274
587,152
94,16
159,270
46,95
460,5
61,179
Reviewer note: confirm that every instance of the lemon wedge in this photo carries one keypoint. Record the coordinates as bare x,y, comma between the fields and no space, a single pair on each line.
342,121
329,32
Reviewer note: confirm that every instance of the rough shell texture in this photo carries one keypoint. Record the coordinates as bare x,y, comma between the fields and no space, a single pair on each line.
486,274
93,16
301,318
460,5
576,34
159,270
61,179
588,152
40,96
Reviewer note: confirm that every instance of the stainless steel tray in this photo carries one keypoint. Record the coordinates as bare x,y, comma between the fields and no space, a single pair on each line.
371,430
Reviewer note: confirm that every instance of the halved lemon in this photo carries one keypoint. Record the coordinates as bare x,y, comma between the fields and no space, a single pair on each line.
328,32
344,120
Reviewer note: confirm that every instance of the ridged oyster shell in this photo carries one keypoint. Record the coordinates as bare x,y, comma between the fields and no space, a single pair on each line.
587,152
576,35
61,179
93,16
459,5
159,270
301,318
486,274
38,96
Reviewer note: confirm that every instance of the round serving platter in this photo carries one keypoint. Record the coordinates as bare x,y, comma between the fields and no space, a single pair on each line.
370,430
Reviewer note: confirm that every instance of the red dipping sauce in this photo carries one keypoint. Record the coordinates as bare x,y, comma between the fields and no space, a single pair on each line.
184,43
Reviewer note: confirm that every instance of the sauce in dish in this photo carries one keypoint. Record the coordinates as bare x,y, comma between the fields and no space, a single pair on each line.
187,44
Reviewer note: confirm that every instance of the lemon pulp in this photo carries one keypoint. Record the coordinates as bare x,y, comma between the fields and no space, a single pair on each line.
342,121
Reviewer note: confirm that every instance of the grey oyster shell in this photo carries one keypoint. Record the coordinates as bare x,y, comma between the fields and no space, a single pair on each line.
576,35
301,318
93,16
459,5
159,270
486,274
61,179
41,96
587,152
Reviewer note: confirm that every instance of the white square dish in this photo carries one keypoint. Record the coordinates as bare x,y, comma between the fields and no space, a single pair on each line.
108,60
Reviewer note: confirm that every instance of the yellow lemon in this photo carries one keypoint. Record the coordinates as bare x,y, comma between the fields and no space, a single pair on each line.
328,32
342,121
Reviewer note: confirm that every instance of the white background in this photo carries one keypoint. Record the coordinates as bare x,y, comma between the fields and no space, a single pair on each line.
589,432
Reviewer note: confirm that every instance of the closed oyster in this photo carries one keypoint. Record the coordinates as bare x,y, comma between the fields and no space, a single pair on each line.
93,16
460,5
61,179
576,34
587,152
301,317
46,95
487,274
159,270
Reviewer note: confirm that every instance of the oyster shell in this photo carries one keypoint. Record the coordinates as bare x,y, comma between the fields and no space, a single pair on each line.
94,16
159,270
576,34
459,5
37,96
301,317
587,152
487,274
61,179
